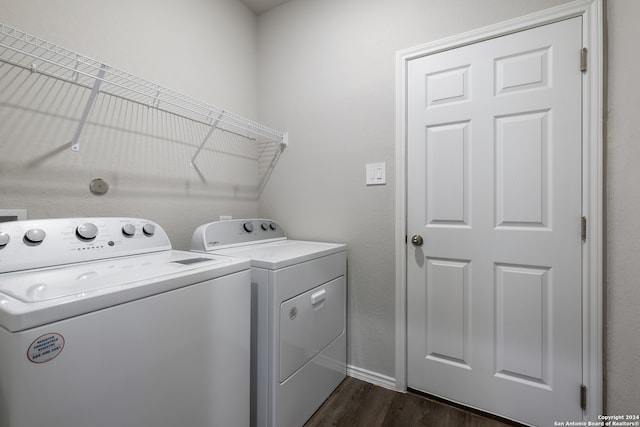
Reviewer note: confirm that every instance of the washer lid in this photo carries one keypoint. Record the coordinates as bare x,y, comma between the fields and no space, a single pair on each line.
81,279
34,297
283,253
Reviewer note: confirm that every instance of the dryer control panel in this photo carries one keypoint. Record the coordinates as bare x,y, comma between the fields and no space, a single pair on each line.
235,232
49,242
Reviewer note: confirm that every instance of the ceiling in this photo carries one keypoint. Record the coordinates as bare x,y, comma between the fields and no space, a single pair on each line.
260,6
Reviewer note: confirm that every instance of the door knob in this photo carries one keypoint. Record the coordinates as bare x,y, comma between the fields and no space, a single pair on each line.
417,240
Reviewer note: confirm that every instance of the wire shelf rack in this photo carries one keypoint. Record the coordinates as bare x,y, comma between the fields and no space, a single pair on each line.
23,50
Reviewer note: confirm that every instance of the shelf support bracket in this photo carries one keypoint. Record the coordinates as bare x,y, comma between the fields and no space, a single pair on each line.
214,125
76,75
272,164
75,145
155,103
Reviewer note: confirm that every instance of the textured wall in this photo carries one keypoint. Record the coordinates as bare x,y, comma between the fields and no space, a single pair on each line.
623,205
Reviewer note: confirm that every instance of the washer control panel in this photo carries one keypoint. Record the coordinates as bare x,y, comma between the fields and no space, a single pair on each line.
48,242
235,232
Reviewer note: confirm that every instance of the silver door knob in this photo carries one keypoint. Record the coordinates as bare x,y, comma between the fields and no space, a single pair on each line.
417,240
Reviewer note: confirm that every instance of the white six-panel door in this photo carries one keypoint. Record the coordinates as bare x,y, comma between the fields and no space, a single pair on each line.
494,189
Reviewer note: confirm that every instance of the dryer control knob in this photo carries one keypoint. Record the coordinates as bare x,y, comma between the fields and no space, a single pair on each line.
128,230
248,227
148,229
272,226
87,231
4,239
35,236
264,226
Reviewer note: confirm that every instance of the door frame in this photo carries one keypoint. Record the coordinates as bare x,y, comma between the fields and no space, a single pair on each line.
592,183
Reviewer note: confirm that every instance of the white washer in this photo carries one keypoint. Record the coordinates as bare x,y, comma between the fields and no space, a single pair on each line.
298,316
102,324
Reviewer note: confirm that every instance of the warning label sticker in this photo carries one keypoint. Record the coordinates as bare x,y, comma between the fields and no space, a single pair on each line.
45,348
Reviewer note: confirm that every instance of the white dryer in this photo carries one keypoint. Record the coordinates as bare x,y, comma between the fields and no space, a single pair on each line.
298,316
102,324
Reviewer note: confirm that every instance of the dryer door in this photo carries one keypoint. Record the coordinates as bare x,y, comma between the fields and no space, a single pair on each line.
309,322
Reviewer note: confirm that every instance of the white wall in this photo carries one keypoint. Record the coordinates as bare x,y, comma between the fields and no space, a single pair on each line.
327,75
623,206
206,49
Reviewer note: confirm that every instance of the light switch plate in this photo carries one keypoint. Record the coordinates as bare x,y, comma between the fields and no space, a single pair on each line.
376,174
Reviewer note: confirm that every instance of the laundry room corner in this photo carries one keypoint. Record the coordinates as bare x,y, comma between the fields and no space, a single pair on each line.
327,76
145,156
162,128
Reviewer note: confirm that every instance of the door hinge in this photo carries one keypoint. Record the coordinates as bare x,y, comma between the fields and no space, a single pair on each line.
583,229
583,59
583,397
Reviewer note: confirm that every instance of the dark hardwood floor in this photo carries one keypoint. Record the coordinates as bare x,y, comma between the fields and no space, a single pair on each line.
357,403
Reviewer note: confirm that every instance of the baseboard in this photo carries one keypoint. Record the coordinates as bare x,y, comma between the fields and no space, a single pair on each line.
372,377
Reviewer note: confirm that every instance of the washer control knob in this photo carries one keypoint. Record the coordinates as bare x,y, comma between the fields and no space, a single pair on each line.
35,236
248,227
128,230
4,239
272,226
87,231
264,226
148,229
